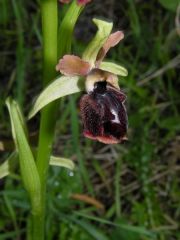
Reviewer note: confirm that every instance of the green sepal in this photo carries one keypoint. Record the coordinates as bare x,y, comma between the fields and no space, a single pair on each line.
104,30
114,68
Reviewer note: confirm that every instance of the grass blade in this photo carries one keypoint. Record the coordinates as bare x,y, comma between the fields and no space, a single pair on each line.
136,229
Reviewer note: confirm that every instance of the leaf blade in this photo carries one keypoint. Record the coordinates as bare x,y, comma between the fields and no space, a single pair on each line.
135,229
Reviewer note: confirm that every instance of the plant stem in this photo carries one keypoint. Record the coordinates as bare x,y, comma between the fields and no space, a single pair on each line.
37,227
49,28
49,11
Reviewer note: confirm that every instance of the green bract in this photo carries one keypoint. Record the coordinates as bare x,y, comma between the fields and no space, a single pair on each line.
60,87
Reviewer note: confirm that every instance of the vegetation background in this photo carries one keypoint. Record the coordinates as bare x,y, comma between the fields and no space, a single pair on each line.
131,184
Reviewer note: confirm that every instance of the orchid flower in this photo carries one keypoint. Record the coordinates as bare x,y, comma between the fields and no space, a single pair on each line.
102,108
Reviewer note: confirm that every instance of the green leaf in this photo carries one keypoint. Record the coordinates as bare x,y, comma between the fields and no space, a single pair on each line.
114,68
170,4
62,162
7,166
104,30
60,87
28,167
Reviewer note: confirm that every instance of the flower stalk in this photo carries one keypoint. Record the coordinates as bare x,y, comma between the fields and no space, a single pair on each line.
49,11
49,29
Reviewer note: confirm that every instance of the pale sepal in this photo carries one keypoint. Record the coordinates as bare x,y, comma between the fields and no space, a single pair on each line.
113,68
92,50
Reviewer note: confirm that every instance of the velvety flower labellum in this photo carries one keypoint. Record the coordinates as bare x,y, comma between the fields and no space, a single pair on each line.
103,114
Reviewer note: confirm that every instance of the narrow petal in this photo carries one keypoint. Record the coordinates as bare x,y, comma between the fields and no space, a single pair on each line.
71,65
112,41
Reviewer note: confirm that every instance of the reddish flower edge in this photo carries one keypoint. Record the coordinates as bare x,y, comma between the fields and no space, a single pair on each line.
105,139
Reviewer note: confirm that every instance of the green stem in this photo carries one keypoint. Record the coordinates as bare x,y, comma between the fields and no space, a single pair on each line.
49,29
49,10
37,227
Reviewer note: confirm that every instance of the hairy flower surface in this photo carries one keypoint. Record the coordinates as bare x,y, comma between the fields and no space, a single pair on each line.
103,114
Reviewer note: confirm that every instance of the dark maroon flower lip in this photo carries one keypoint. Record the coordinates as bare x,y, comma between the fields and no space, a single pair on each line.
104,115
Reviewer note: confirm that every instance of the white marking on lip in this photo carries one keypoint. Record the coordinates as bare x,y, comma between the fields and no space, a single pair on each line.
116,120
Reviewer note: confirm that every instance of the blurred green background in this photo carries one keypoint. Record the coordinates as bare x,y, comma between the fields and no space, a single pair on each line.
136,183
